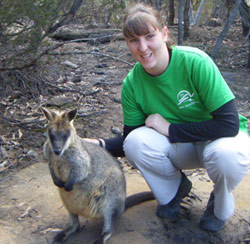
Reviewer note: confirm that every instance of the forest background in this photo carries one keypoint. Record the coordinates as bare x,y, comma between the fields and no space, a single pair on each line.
73,52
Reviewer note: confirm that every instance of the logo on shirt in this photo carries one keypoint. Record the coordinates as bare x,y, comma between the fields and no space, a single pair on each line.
185,99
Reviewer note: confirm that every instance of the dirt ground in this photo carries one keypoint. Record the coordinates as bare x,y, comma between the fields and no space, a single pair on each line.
31,211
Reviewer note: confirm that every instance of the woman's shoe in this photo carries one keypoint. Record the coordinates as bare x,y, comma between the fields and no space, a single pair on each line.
172,209
208,220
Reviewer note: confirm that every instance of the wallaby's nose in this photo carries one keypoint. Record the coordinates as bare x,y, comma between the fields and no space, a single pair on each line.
57,152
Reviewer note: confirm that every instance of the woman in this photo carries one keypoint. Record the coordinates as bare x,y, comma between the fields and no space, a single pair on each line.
179,113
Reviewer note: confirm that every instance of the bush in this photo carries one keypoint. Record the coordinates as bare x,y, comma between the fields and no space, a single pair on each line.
24,26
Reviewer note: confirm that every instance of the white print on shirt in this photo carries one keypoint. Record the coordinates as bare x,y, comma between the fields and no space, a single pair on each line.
185,99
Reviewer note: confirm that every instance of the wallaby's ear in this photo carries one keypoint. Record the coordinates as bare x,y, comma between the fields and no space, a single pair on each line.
72,114
50,115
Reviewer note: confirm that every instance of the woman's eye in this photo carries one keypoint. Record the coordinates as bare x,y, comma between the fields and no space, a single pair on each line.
132,40
150,36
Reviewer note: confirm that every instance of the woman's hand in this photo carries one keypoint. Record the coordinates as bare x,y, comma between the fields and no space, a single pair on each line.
95,141
157,122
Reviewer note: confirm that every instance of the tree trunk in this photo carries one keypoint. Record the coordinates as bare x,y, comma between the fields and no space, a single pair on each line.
225,29
229,5
198,14
180,18
214,10
248,63
186,19
161,3
245,16
171,12
76,5
158,4
190,13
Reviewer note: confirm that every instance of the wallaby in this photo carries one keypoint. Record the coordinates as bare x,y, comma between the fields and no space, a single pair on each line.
91,182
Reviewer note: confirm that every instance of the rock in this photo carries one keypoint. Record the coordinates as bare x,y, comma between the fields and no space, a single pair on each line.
32,154
76,79
60,101
116,131
70,64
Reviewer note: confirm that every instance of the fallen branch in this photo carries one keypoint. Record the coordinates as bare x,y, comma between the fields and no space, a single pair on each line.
94,53
92,40
73,90
91,114
98,34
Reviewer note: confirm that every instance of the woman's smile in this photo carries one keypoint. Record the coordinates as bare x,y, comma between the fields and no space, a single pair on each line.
150,50
146,55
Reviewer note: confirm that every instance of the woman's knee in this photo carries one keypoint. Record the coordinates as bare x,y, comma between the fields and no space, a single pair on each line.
144,142
132,145
224,159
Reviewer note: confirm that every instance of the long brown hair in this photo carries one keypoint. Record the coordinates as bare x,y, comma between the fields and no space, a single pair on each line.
137,19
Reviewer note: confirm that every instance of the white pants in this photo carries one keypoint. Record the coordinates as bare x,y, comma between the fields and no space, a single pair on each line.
226,161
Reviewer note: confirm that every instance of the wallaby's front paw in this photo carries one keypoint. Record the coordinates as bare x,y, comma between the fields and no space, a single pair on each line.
68,186
59,183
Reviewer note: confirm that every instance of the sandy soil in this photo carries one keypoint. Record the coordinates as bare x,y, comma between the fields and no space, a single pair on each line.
31,212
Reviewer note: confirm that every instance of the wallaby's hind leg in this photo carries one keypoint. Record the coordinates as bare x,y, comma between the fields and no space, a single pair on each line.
110,215
65,234
107,229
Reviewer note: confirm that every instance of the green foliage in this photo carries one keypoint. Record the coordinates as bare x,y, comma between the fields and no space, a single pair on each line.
23,26
102,12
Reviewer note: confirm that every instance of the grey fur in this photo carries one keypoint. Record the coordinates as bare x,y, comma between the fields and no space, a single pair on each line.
91,182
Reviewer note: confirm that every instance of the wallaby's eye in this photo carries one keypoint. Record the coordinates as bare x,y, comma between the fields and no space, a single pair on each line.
65,135
51,135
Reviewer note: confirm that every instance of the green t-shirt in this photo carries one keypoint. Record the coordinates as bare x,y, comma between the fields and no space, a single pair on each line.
188,91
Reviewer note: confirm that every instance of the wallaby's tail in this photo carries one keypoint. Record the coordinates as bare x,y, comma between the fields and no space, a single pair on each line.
138,198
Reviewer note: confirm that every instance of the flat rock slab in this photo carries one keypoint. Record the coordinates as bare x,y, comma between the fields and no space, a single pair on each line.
31,212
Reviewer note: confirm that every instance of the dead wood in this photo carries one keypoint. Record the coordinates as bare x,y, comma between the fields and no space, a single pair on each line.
66,89
92,52
93,37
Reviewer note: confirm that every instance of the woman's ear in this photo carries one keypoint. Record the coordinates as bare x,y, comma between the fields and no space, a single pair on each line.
165,33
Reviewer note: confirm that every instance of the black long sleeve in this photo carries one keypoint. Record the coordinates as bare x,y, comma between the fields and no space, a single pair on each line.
225,123
115,145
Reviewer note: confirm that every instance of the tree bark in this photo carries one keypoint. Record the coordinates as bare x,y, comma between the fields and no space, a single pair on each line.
214,10
245,16
76,5
92,36
225,29
186,19
171,12
198,14
248,63
180,19
158,4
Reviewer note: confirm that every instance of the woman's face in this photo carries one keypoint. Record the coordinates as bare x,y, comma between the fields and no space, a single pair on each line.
150,50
